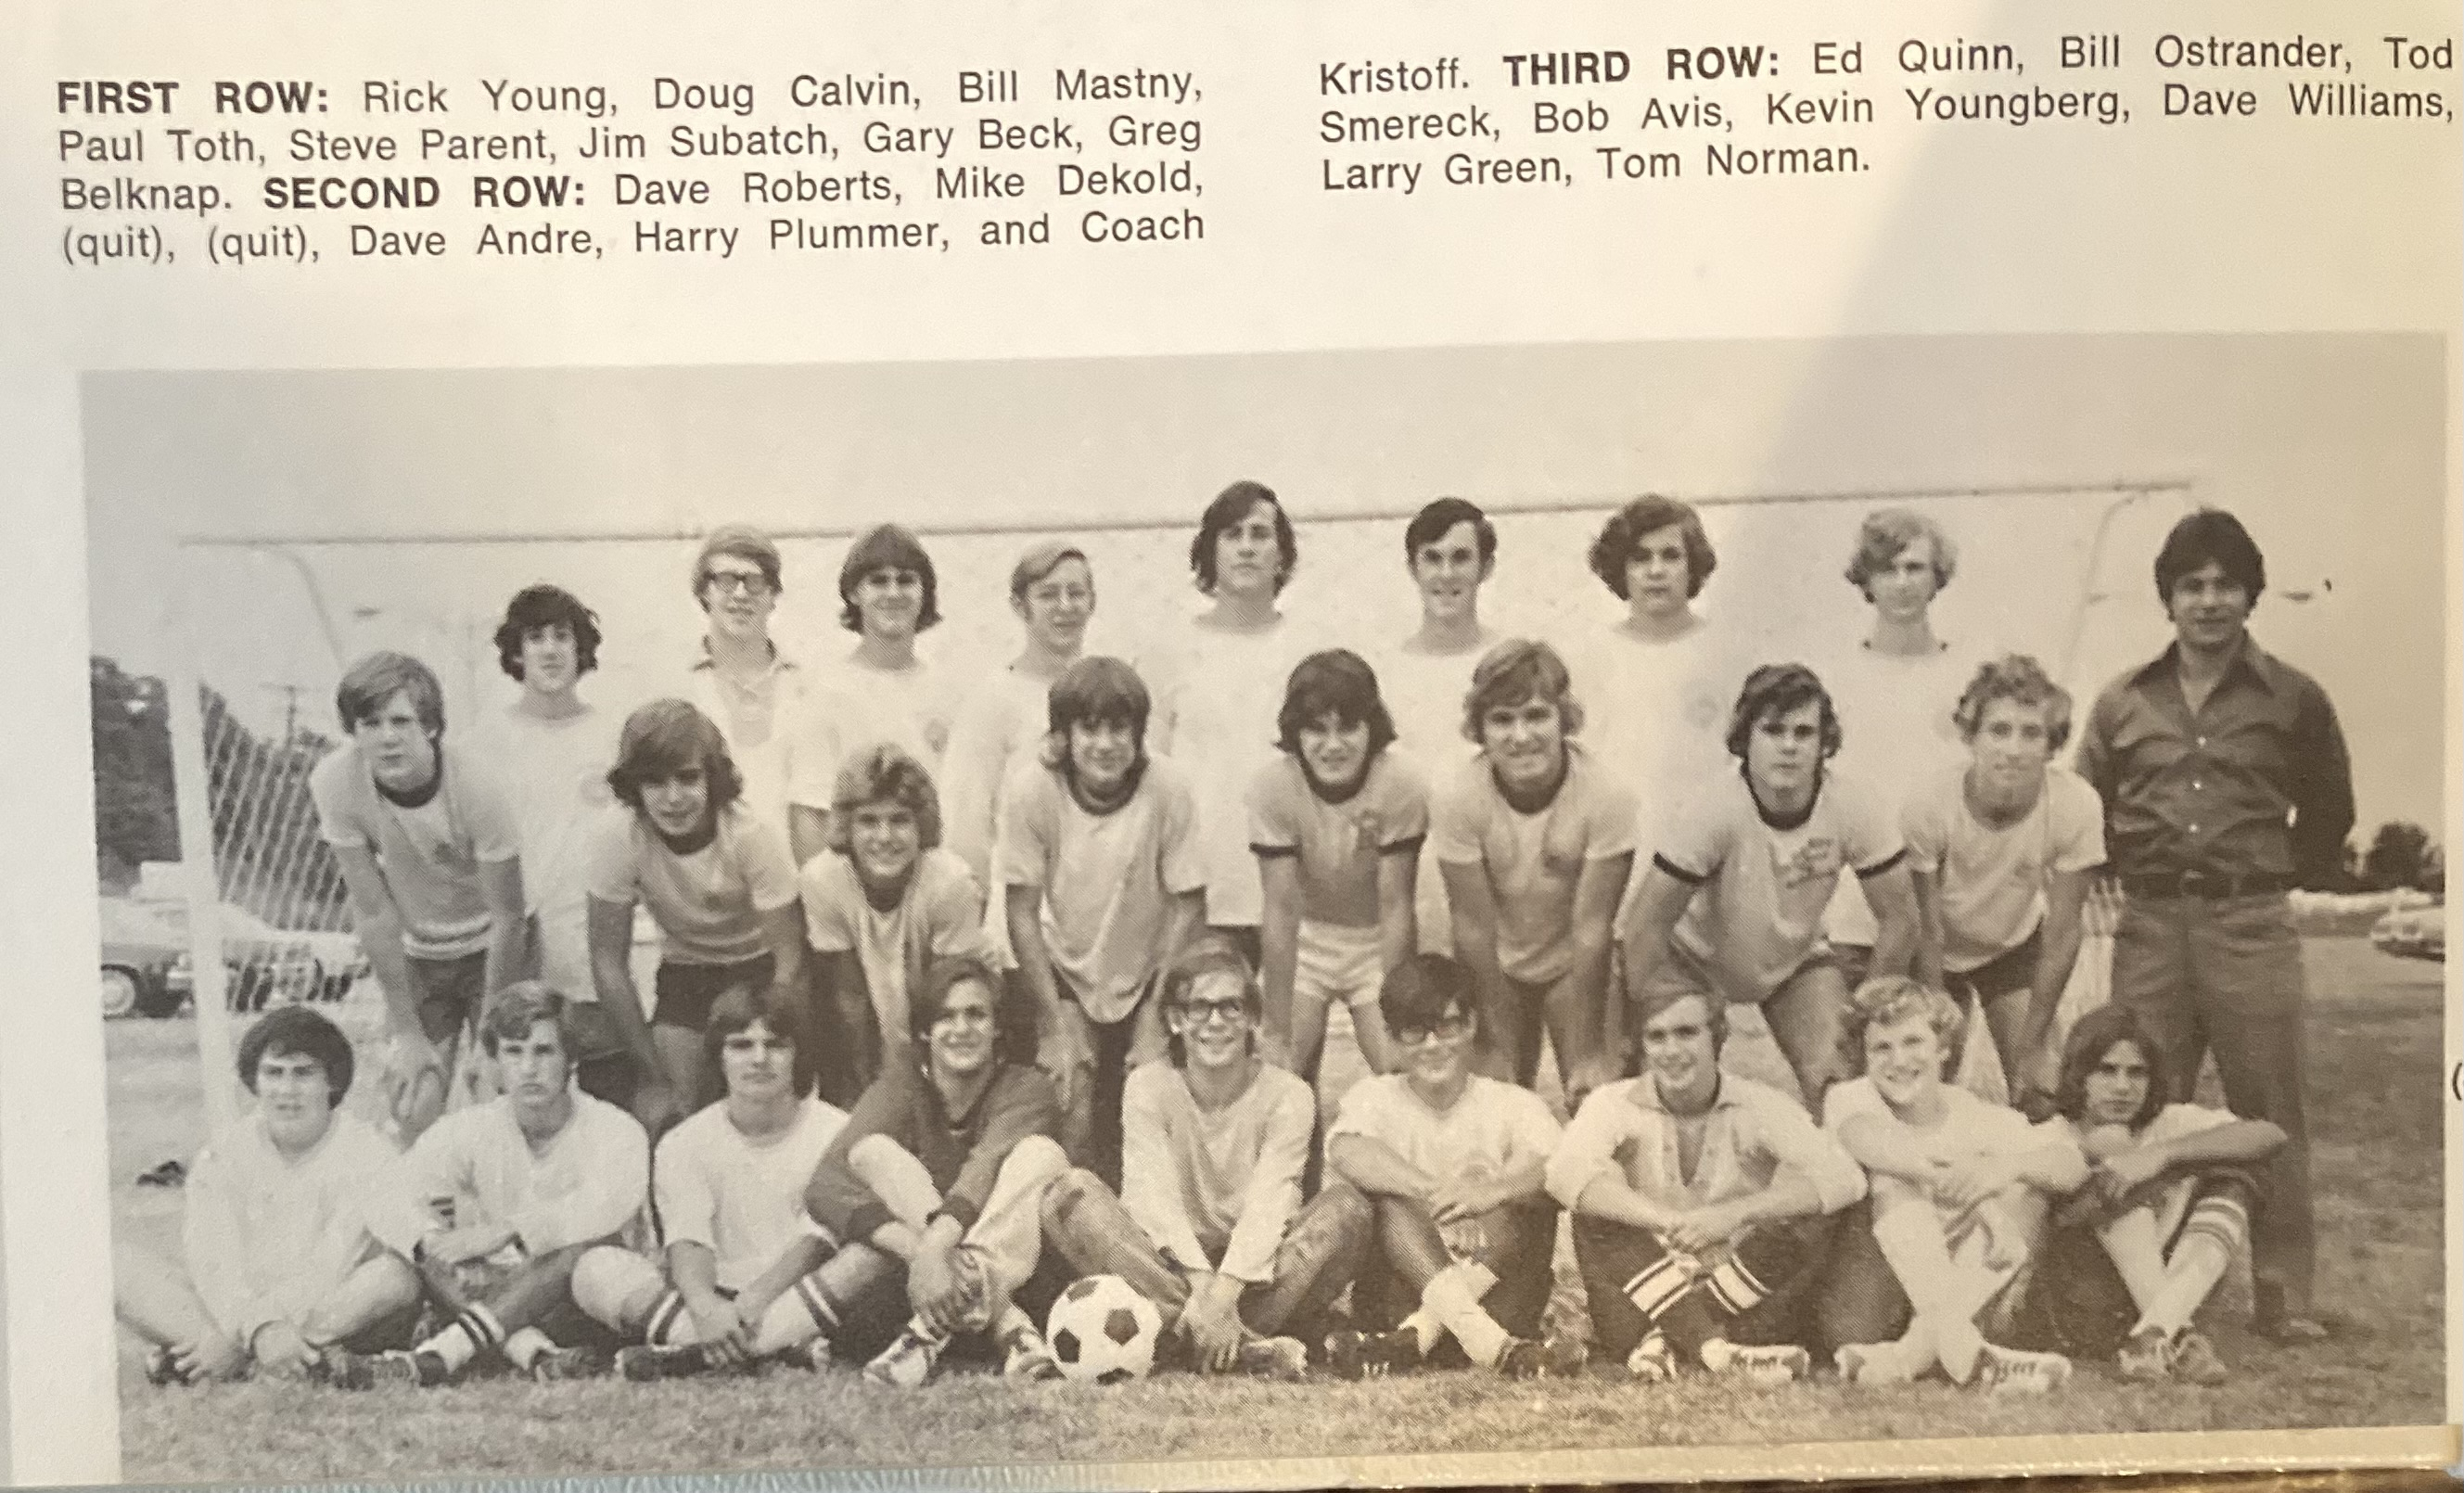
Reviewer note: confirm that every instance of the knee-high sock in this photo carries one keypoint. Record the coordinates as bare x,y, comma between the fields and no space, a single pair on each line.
801,1313
463,1339
2210,1237
1452,1297
1423,1324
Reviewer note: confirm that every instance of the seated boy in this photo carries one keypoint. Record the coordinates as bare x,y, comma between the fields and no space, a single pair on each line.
1209,1223
496,1203
281,1264
2165,1210
1102,882
936,1184
743,1261
1453,1165
1958,1191
883,902
1703,1203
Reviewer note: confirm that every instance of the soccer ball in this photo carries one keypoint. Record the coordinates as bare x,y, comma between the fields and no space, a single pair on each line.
1103,1331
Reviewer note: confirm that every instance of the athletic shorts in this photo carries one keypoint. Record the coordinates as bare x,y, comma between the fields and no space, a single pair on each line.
2011,972
447,992
1338,964
1681,973
684,993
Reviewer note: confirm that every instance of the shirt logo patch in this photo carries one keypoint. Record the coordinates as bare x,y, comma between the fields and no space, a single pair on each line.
1819,859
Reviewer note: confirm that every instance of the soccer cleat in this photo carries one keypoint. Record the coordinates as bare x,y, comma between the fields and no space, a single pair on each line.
1766,1366
366,1370
1554,1358
646,1363
1284,1358
1370,1355
2147,1358
554,1365
1870,1363
908,1361
1025,1354
2011,1370
159,1371
1652,1361
2195,1361
812,1355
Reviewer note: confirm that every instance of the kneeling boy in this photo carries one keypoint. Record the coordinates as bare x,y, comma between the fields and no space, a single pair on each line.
1702,1205
1209,1223
1453,1165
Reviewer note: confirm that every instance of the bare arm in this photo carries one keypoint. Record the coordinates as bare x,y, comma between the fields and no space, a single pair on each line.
808,831
782,934
2058,949
1597,891
611,970
1474,912
379,926
1894,902
501,887
1398,932
1058,1051
1927,890
1374,1167
1279,931
1649,927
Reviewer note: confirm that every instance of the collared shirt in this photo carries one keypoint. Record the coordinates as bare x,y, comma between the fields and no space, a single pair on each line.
759,723
1749,1133
2212,791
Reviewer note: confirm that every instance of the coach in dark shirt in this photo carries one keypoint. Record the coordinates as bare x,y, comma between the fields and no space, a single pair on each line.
2225,785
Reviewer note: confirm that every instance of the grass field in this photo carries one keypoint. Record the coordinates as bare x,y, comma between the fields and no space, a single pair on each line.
2375,1087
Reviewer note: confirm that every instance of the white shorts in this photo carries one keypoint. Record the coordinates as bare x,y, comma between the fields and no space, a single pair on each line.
1338,965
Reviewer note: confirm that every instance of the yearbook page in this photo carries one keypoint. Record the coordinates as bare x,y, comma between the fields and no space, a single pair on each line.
999,744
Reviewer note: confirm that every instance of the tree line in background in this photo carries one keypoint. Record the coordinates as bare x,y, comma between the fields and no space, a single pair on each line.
263,819
269,854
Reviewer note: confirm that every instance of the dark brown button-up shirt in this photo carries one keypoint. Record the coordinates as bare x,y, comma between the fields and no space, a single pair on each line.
2255,784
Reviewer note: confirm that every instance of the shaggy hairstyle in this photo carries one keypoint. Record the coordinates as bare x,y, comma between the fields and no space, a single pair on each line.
1888,531
738,1006
1417,993
2014,676
379,677
1095,688
544,605
289,1031
1230,507
664,738
741,541
884,774
1339,683
1775,690
2096,1034
1660,995
888,547
1515,671
1622,535
522,1005
1438,518
2209,535
945,974
1040,561
1889,1000
1208,953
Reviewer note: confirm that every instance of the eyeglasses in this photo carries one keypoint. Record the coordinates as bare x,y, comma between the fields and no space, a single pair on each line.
1448,1028
1231,1009
751,582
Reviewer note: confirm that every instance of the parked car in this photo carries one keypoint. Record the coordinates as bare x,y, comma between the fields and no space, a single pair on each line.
266,964
2412,932
145,961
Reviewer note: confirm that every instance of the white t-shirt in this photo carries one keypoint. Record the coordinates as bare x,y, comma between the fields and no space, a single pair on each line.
1991,883
1971,1127
1492,1129
1760,888
1338,845
554,775
1217,693
940,913
268,1236
851,706
1533,860
741,1198
431,855
999,727
1655,713
1424,692
709,904
1896,733
1108,879
475,1167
